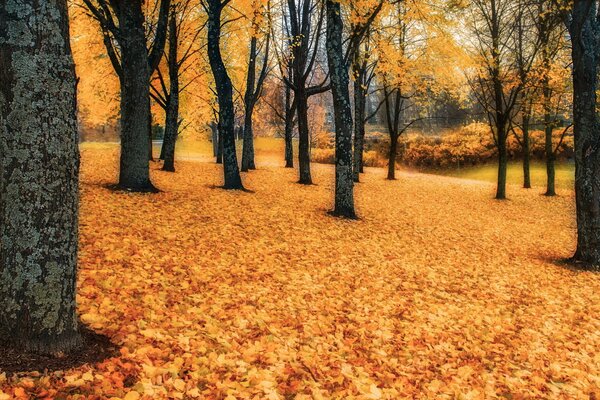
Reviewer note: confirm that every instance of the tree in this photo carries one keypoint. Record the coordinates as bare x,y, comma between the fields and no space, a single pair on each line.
253,85
344,177
123,27
498,84
39,169
303,26
224,87
583,22
168,93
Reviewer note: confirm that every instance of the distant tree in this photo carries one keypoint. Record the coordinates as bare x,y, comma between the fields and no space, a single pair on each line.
167,92
498,83
124,27
254,84
39,169
224,88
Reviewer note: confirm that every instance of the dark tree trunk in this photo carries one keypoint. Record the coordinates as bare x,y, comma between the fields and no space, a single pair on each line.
232,179
584,33
150,144
39,168
219,146
502,160
548,146
135,100
248,135
359,120
303,137
290,112
172,117
214,138
526,152
392,156
344,178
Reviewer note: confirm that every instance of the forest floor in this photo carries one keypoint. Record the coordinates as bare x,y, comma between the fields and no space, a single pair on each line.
438,291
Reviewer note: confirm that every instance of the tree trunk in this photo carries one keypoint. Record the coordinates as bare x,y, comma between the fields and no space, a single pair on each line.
392,156
586,131
290,112
548,146
231,172
526,153
344,177
135,100
39,169
359,121
150,144
303,137
214,138
502,161
248,135
248,145
219,146
172,118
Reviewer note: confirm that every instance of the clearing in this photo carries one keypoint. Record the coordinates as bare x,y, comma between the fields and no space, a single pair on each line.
438,291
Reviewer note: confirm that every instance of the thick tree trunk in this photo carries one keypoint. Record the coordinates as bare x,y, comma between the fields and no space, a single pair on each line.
526,153
231,172
172,118
303,138
359,123
135,100
392,156
587,134
344,177
39,167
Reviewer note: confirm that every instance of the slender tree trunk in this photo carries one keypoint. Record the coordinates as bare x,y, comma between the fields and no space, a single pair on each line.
548,146
214,138
526,153
172,118
135,100
392,156
587,134
232,179
344,177
248,145
248,135
39,169
359,121
150,144
304,137
290,112
502,161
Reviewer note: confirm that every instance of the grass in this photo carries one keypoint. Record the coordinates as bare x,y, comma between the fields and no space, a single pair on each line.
565,174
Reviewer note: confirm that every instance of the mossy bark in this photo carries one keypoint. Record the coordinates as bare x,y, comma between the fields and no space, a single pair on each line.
39,168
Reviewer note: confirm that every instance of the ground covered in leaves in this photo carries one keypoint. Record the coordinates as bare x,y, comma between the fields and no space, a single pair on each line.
438,291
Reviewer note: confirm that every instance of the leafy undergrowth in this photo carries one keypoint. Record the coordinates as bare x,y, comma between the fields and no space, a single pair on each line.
437,292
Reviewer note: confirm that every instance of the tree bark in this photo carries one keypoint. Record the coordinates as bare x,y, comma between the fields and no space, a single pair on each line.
39,168
548,146
172,117
303,137
248,138
584,37
344,177
502,160
290,112
359,120
231,172
392,157
526,152
135,100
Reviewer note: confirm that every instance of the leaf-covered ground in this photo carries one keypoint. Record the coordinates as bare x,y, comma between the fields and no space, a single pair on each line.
437,292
